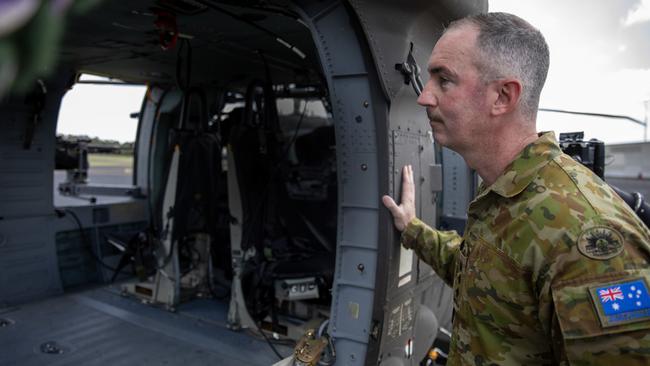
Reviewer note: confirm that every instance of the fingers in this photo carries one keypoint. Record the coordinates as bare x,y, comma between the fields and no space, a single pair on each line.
407,174
405,211
408,187
408,195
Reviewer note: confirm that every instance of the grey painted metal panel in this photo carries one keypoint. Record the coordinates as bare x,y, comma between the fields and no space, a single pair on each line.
360,180
391,25
28,265
352,321
425,181
26,185
117,217
356,131
347,74
361,218
360,124
357,266
457,192
409,280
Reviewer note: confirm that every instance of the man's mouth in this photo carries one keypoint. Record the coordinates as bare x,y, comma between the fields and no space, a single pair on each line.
434,121
433,118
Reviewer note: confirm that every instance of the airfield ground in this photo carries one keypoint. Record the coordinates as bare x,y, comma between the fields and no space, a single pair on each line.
118,169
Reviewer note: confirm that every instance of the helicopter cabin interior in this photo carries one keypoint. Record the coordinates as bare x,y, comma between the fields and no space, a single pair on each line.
267,133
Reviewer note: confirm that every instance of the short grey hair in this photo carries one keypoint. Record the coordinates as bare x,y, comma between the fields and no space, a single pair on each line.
511,47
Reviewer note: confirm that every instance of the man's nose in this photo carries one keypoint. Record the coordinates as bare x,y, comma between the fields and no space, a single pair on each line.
427,98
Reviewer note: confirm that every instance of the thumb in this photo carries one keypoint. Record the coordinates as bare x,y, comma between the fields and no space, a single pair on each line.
390,204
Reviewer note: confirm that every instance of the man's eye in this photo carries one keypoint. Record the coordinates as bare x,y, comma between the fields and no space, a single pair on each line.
443,81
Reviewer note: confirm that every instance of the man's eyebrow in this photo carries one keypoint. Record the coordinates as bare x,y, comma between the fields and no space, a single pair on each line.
440,69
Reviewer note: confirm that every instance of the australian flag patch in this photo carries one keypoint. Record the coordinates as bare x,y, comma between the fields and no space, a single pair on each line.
622,302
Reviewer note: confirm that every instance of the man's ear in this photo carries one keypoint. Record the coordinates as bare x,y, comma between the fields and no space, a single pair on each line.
508,93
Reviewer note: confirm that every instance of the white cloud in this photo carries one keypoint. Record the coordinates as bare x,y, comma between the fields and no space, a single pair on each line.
588,70
101,111
635,83
640,14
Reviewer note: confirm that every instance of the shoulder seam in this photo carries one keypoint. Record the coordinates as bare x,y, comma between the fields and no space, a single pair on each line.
584,196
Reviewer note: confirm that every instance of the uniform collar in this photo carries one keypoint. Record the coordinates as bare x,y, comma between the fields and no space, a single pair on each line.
523,169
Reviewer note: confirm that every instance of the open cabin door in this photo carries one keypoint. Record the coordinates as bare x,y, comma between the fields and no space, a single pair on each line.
50,243
387,305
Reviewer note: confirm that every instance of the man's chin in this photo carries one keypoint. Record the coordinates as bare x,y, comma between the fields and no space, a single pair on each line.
443,140
438,136
436,126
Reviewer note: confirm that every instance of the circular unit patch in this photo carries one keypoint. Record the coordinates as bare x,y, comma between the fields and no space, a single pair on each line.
600,243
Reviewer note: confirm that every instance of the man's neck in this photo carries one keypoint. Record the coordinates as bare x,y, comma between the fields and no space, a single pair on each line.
491,159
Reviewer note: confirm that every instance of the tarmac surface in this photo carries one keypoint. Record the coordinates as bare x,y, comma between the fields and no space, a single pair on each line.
104,175
123,175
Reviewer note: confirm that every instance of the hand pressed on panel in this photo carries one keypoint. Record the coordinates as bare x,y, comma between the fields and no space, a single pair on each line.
405,212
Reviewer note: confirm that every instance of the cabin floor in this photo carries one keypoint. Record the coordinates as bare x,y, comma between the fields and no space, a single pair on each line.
101,327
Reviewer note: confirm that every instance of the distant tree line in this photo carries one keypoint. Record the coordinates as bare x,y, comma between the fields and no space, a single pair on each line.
95,145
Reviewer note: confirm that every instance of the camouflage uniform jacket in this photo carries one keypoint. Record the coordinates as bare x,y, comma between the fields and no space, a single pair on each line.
553,268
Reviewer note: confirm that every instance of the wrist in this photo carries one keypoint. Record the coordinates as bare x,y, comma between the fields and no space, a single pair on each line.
410,233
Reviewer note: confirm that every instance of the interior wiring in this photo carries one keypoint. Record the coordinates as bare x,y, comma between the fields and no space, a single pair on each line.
295,133
268,341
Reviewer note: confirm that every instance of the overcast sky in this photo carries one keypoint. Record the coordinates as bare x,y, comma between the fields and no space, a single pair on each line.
101,111
600,62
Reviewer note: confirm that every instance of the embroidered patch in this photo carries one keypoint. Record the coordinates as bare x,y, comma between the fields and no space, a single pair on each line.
621,302
600,243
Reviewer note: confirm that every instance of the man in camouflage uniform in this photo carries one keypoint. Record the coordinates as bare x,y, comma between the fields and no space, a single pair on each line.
553,266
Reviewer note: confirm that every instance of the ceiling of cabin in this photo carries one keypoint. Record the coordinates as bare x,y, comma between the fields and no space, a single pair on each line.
119,39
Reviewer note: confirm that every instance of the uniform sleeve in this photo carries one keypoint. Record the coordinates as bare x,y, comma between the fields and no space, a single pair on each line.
437,248
596,308
585,333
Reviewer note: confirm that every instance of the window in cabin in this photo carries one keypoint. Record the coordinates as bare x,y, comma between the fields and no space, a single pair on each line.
96,133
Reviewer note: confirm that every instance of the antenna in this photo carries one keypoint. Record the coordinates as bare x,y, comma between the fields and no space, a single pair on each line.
643,123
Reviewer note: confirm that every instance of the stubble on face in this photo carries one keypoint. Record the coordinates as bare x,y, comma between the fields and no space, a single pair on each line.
457,118
436,123
434,117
